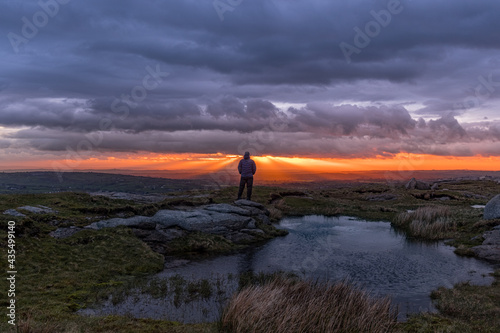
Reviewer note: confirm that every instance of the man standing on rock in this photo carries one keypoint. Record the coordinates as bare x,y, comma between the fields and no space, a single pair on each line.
247,169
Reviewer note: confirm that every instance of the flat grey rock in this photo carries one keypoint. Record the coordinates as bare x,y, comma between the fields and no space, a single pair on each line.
492,237
237,223
490,249
487,252
227,208
13,212
116,222
39,209
62,233
249,203
212,219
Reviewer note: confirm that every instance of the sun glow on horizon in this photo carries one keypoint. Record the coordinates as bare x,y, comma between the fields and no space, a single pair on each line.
268,167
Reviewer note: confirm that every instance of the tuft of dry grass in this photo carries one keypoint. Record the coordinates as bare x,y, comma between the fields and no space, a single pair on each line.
288,305
281,205
275,214
430,222
26,324
328,211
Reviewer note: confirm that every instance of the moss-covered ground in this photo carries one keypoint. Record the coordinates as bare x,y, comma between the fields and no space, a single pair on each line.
57,277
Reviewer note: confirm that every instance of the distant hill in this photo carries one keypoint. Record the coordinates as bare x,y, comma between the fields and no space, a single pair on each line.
46,181
156,182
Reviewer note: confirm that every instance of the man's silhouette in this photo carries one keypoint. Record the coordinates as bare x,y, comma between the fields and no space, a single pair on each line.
247,169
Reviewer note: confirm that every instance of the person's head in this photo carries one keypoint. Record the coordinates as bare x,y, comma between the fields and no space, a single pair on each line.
247,155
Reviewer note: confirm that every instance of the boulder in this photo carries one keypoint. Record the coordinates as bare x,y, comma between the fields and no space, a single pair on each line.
492,209
414,184
490,249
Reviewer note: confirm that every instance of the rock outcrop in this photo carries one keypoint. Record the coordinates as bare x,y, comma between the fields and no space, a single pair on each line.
492,209
414,184
236,222
32,209
490,249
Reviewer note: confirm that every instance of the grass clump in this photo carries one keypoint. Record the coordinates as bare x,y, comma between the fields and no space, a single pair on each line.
289,305
464,308
430,222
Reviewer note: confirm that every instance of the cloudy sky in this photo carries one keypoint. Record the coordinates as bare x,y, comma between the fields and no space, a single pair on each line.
95,80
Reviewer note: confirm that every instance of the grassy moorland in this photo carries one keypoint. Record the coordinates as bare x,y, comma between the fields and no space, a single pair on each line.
58,277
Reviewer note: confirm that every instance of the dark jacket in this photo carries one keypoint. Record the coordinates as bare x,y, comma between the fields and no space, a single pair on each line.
247,167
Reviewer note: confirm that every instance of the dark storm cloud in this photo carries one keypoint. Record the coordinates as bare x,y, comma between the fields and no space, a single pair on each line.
89,69
346,119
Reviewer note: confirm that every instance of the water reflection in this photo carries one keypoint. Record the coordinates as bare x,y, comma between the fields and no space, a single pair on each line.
370,254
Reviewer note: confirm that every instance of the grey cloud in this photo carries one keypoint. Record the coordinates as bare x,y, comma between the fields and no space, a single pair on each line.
443,136
449,124
346,119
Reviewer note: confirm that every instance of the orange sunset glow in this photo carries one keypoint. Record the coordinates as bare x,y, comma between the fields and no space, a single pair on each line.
269,167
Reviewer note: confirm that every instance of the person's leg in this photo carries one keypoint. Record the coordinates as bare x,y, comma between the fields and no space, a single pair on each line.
242,186
249,188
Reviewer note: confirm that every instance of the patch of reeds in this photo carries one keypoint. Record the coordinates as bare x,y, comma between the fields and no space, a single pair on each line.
275,214
26,324
430,222
290,305
326,210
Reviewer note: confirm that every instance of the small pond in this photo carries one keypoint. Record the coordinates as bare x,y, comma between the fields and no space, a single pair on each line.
370,254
